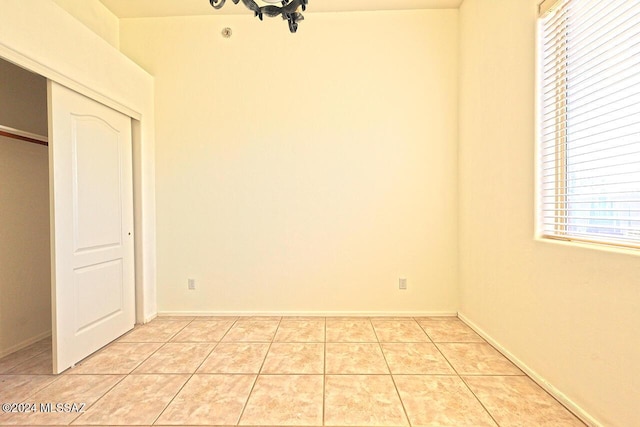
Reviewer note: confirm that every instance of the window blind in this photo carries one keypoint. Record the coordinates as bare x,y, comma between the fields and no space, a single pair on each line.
589,126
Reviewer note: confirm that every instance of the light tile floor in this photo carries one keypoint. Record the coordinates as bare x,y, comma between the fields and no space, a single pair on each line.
272,371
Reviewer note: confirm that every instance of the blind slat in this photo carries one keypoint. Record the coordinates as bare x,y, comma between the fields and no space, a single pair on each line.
595,168
621,233
598,156
610,193
580,152
622,219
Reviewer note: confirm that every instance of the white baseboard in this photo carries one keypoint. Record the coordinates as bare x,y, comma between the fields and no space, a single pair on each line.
24,343
313,313
150,318
557,394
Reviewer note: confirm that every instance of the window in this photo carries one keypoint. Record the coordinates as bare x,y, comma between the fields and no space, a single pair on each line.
589,123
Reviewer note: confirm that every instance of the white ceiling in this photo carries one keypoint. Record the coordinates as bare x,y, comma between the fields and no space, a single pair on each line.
157,8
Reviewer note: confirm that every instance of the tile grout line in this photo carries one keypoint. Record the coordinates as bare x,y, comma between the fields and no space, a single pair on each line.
324,375
22,362
99,398
244,407
393,380
150,342
479,401
459,376
149,357
172,399
124,376
194,372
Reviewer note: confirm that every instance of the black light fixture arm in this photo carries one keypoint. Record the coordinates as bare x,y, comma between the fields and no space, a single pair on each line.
288,10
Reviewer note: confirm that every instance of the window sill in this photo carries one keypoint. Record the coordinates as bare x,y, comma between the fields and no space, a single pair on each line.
605,247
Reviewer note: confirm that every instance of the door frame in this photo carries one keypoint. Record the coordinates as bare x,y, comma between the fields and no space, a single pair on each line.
141,256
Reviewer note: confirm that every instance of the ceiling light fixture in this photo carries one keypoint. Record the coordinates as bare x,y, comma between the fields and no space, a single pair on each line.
288,9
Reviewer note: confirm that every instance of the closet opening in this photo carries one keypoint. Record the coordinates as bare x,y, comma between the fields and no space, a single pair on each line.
25,254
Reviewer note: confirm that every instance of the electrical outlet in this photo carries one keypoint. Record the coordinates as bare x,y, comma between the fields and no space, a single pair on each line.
402,284
192,284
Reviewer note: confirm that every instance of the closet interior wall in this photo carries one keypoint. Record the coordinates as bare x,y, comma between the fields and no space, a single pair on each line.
25,257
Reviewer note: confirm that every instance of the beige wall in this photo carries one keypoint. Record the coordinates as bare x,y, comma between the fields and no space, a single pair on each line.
306,172
570,313
96,17
25,275
23,99
25,280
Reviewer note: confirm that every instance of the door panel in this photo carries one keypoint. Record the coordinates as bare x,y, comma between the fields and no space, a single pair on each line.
98,290
93,290
97,186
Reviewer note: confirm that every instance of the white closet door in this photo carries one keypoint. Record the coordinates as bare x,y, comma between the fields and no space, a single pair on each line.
93,290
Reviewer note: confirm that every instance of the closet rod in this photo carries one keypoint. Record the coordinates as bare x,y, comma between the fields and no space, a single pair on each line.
23,136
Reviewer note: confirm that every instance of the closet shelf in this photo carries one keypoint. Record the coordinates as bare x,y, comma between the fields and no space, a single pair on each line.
23,136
